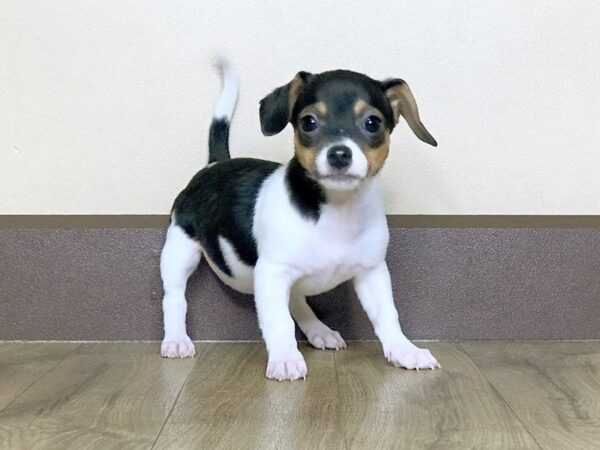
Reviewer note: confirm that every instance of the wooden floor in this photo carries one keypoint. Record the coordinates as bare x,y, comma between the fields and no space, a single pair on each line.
513,395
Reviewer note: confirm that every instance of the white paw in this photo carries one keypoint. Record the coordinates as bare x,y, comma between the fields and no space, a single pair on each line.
411,357
288,367
326,339
179,347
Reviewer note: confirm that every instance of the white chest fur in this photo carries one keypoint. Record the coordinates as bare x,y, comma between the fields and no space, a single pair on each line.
351,234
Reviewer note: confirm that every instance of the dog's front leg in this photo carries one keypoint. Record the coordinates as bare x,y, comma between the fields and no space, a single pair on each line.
272,286
374,289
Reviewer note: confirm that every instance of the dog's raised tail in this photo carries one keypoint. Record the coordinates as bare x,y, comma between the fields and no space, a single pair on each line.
218,138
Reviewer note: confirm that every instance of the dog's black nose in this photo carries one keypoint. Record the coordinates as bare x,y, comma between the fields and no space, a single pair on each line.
339,156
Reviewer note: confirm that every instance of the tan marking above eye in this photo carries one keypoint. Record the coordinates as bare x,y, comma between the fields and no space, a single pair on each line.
362,110
318,109
359,107
321,108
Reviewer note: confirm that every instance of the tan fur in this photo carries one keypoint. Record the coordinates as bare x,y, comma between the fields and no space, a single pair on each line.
376,156
359,107
403,104
394,97
296,86
321,108
306,155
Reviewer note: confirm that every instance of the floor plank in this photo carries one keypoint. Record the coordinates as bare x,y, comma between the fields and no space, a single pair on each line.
101,396
553,387
452,407
229,404
21,364
123,395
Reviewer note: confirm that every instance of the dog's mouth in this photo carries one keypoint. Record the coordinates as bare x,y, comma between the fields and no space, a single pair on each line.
339,181
340,177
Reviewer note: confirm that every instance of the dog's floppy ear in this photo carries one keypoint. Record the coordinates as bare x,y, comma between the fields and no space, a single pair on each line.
403,104
276,108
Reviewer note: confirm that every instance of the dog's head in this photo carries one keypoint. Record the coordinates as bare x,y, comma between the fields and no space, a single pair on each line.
342,123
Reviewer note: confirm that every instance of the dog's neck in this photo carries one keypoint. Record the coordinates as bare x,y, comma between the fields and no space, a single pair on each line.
341,198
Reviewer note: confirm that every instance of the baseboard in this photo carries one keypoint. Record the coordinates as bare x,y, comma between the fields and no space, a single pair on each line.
137,221
102,283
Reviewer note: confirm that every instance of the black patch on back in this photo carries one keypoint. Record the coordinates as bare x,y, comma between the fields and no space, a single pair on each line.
218,141
220,201
305,193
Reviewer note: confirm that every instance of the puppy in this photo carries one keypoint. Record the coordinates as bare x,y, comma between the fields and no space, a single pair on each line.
283,232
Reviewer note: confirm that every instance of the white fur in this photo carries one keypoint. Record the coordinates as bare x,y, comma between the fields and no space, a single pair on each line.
178,260
317,333
242,275
374,289
229,94
331,179
300,257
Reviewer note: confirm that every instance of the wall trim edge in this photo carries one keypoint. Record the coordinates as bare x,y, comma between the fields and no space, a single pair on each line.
394,221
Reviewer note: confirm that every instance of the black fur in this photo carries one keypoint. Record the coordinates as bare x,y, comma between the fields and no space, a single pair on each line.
274,111
339,89
305,193
219,201
218,141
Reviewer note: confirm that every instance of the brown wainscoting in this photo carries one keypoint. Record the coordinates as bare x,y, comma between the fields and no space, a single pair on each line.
394,221
88,283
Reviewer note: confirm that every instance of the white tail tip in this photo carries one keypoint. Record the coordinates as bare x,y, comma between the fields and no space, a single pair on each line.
228,99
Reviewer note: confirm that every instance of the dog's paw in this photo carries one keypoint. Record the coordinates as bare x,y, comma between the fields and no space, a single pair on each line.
326,339
411,357
179,347
288,367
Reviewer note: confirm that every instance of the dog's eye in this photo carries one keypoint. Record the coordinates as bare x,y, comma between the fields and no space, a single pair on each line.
372,124
309,123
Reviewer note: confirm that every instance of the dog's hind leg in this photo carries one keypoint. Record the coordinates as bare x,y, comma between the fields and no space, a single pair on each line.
318,334
179,258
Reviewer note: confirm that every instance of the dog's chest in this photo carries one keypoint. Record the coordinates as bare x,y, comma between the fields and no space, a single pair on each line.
346,238
326,275
336,252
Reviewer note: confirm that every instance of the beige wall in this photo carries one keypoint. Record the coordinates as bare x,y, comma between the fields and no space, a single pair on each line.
105,105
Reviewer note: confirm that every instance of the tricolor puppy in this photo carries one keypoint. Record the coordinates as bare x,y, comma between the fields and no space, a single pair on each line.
284,232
